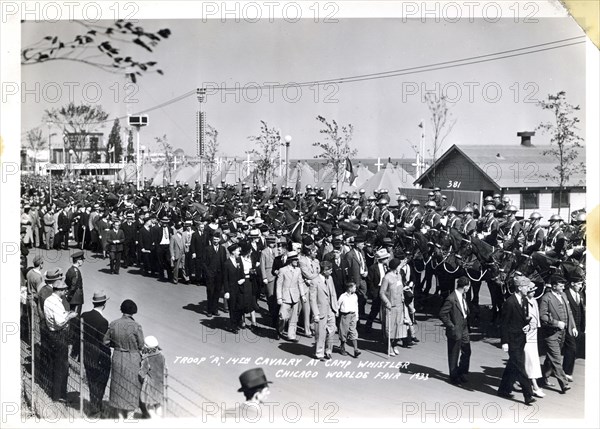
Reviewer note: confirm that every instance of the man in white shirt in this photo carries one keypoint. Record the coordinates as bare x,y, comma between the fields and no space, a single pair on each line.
57,321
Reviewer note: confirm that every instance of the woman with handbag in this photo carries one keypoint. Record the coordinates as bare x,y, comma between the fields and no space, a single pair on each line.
394,314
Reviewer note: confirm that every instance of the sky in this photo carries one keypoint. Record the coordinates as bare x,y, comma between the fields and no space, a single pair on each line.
492,100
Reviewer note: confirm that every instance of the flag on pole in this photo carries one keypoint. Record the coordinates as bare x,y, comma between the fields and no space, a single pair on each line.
298,177
349,174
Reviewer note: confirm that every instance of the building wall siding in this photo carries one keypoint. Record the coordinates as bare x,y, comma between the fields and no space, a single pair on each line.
458,172
577,200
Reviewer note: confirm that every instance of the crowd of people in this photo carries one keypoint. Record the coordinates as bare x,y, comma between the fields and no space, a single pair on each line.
326,263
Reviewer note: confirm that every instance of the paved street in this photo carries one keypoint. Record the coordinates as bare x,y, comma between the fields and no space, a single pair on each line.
201,354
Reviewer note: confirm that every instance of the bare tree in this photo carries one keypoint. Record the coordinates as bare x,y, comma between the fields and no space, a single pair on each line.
211,150
167,150
336,147
441,124
99,45
35,142
267,151
565,142
77,121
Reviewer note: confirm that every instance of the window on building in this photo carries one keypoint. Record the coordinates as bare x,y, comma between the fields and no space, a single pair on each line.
530,200
564,198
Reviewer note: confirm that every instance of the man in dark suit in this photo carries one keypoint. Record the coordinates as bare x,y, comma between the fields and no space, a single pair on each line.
64,226
96,356
162,239
357,272
115,239
74,281
556,319
455,315
375,276
338,266
198,243
214,260
146,243
573,344
515,325
129,245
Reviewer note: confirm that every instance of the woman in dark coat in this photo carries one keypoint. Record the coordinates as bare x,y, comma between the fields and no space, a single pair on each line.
126,338
248,289
233,283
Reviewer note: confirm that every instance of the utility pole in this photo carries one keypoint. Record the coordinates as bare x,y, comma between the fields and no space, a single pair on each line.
200,135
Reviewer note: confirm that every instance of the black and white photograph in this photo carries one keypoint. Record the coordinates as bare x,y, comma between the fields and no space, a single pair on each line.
300,213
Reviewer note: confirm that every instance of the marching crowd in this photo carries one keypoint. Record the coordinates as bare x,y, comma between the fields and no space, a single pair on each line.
324,262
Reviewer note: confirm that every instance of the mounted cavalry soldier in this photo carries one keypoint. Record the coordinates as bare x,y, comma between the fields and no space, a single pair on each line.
488,226
469,226
556,241
535,237
512,229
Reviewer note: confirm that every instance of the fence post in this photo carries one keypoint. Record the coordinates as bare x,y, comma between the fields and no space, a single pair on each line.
166,396
32,340
81,367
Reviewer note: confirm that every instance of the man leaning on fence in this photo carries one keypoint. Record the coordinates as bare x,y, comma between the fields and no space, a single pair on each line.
96,356
57,321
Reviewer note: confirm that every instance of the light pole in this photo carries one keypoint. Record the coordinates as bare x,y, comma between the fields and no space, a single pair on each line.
288,140
143,148
50,156
200,136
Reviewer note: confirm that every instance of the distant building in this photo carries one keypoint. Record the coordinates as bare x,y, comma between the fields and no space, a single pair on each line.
517,171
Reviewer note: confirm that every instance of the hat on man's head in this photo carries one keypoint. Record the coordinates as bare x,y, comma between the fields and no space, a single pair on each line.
128,307
271,239
165,219
307,240
233,247
292,256
77,255
254,233
360,238
394,263
557,279
99,296
382,254
253,378
337,243
53,275
387,241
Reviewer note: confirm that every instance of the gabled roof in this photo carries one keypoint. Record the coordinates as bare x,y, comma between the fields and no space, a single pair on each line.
513,166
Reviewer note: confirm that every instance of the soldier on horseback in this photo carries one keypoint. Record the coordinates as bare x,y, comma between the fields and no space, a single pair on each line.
535,237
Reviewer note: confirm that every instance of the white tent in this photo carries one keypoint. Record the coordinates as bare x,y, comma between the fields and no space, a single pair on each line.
363,174
390,178
302,172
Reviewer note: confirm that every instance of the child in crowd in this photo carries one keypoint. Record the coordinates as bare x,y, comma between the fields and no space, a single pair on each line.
348,305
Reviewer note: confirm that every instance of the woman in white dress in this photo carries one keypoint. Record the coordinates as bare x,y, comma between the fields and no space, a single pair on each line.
533,367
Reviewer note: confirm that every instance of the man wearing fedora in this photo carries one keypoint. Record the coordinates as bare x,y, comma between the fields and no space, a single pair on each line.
455,315
556,319
57,322
96,356
324,306
290,292
375,276
515,326
267,257
115,239
162,239
213,261
357,272
74,282
255,387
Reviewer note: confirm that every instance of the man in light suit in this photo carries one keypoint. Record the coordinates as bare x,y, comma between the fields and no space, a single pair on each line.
290,292
357,272
309,266
267,256
177,252
515,325
324,306
556,319
455,315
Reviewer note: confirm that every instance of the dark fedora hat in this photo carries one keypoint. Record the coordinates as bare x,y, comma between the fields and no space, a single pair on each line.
253,378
